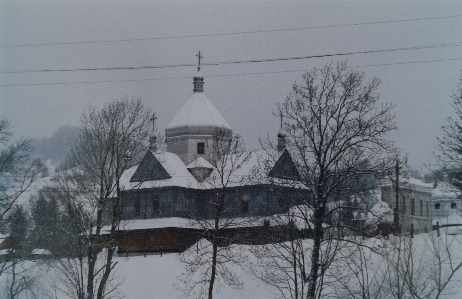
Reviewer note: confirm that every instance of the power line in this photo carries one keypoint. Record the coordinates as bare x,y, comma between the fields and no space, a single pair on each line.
231,33
221,75
457,44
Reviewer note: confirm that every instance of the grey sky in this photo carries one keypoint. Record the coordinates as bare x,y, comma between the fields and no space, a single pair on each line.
421,91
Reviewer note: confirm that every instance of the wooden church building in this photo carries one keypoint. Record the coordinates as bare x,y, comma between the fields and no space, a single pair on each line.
166,190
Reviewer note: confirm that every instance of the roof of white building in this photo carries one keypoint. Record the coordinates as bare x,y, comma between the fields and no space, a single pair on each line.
444,191
409,182
198,111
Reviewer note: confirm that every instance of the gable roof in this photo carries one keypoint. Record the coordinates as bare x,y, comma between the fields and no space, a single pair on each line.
173,172
149,169
284,168
178,174
198,111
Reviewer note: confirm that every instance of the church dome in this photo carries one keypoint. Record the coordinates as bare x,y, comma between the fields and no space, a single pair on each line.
197,125
198,111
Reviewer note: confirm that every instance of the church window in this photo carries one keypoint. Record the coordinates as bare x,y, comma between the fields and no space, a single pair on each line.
437,205
200,148
155,208
136,207
453,205
245,204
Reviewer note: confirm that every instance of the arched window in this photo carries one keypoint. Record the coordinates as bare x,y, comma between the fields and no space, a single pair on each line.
421,208
453,205
136,207
437,205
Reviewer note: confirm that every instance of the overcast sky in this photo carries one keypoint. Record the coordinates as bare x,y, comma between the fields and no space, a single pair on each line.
70,35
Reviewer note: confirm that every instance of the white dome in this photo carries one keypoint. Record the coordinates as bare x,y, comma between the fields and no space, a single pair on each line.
198,111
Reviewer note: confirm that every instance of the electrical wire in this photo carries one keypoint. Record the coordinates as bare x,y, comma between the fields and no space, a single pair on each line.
423,47
220,75
230,33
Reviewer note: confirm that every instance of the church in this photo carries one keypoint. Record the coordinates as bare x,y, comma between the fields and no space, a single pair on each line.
166,190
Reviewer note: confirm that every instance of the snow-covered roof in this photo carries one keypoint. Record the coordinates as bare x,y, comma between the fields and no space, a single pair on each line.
444,191
200,162
253,171
410,182
198,111
41,252
179,222
180,176
417,182
380,212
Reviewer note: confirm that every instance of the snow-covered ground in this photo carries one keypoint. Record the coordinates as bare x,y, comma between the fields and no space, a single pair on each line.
158,276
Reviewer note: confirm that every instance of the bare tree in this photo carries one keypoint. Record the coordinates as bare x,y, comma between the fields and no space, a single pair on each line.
422,267
359,270
99,157
282,265
207,265
399,267
18,169
450,144
337,136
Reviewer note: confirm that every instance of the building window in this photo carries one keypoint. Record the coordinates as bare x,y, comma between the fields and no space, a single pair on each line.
245,204
453,205
136,207
428,210
437,206
413,206
421,208
155,205
200,148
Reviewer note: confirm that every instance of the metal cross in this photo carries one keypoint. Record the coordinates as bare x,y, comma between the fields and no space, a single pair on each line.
199,56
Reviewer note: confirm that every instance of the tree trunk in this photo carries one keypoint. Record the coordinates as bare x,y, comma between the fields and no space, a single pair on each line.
295,262
315,262
315,254
214,264
215,244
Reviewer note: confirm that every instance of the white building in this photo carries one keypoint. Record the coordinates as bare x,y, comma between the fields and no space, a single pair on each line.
414,203
446,205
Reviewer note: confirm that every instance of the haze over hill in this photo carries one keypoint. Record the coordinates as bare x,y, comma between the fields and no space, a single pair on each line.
57,146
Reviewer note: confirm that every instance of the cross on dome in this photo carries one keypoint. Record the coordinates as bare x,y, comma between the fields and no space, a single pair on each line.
198,79
199,56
